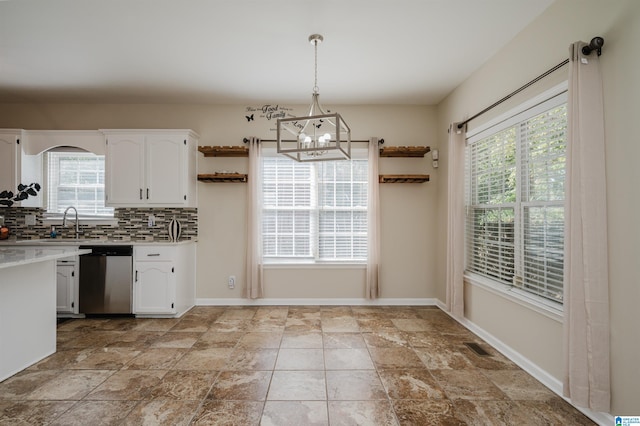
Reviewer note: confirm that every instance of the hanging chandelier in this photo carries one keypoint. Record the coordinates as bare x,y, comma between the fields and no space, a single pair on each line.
318,136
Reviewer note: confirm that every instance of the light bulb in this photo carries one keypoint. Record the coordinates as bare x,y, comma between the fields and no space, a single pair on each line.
327,137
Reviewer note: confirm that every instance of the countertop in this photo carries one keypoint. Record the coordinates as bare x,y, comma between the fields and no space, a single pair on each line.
17,255
70,242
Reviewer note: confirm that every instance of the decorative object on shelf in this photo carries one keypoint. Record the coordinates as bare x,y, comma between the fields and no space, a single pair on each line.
403,178
224,151
223,177
4,231
7,198
175,229
319,136
404,151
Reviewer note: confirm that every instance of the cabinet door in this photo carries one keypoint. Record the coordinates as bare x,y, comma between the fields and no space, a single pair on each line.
65,280
8,161
124,174
155,288
166,174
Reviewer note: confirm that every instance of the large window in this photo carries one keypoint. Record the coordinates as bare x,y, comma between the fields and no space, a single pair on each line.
314,212
76,179
515,200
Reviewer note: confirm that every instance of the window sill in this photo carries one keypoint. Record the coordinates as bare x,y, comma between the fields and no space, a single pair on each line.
314,265
540,305
86,221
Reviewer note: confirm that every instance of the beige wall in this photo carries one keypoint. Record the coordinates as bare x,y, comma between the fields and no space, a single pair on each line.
408,217
539,47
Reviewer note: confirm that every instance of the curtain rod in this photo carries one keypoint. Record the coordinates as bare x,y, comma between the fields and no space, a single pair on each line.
246,140
595,45
515,92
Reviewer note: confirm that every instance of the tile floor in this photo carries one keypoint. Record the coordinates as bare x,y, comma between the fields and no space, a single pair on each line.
334,365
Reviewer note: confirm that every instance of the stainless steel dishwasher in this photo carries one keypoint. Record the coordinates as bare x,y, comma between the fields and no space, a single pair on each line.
106,284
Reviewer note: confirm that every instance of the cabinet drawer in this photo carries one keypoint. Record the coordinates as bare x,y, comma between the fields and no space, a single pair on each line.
154,253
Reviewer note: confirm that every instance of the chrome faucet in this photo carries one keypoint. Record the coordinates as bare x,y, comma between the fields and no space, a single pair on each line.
64,220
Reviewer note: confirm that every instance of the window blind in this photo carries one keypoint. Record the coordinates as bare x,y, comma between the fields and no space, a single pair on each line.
515,200
342,210
76,179
542,206
314,211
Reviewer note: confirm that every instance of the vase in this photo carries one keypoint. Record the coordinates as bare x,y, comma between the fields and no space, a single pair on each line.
175,229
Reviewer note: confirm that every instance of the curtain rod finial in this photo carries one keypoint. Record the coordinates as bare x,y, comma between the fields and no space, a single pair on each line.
595,44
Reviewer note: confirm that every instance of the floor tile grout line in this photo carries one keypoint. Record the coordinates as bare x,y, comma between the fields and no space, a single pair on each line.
378,368
393,409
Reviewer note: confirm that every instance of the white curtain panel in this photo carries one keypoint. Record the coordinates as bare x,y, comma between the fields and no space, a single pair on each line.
254,288
586,286
373,223
455,221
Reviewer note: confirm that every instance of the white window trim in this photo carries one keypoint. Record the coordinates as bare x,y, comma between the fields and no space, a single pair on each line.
314,265
511,117
270,262
546,307
55,219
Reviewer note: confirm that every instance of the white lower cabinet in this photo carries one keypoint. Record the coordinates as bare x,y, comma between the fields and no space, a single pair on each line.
67,286
155,288
164,279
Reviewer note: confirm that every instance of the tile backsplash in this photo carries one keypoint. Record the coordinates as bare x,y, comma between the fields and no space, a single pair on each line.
132,224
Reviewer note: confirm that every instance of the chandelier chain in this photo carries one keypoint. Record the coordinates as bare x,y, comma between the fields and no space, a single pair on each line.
315,82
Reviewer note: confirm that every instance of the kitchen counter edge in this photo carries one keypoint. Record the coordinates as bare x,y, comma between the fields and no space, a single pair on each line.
20,255
46,242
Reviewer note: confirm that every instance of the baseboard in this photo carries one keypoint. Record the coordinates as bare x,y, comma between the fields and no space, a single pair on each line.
317,302
538,373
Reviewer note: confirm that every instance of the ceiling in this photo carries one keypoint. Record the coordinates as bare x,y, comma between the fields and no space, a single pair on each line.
245,51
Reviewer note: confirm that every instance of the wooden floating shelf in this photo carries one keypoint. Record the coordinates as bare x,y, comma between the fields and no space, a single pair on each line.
403,178
404,151
224,151
223,177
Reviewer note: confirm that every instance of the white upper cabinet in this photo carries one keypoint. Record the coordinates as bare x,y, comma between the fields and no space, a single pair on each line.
10,160
16,167
151,168
166,169
124,170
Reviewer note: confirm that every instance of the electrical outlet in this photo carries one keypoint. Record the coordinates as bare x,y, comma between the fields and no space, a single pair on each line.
232,281
30,219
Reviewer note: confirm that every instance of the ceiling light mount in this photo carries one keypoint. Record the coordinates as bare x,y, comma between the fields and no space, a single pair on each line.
316,39
319,136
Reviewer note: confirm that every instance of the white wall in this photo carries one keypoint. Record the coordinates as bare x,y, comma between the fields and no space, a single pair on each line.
539,47
408,210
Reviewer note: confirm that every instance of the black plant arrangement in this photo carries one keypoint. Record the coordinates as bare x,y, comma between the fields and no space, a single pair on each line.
7,198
